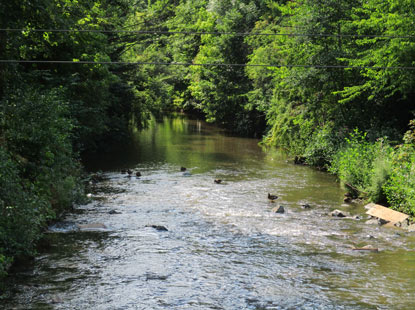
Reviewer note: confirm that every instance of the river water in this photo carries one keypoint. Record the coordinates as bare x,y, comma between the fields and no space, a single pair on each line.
224,248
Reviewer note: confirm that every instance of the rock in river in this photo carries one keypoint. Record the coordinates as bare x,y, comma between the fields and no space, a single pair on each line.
158,227
279,209
114,212
339,213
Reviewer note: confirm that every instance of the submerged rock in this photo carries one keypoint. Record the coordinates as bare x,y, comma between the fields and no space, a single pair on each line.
373,221
158,227
366,248
279,209
91,226
153,276
347,199
56,299
403,224
114,212
62,227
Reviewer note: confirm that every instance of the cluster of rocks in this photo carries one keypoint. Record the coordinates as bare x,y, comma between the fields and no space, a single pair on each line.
344,214
380,215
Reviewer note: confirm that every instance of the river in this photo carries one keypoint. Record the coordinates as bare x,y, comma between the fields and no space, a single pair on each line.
224,248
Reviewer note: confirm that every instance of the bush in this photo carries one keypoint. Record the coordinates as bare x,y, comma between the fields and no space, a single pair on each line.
38,133
364,165
400,188
353,163
322,147
38,169
21,212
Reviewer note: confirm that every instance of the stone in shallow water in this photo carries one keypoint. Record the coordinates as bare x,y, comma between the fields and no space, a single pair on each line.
91,226
114,212
339,213
56,299
305,206
279,209
373,221
158,227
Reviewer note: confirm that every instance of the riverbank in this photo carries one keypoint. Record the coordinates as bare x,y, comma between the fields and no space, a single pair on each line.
374,171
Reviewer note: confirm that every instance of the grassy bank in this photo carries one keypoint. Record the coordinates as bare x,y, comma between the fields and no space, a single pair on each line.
378,170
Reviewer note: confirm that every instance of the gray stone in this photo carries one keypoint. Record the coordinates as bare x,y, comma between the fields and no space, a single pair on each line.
373,221
114,212
279,209
411,228
403,224
56,299
339,213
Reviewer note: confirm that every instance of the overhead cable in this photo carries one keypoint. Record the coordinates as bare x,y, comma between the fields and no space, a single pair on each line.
139,32
202,64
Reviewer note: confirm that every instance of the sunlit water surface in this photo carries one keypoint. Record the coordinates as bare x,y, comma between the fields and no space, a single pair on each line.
224,248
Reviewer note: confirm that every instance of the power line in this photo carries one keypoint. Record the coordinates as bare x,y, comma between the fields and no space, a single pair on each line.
212,33
200,64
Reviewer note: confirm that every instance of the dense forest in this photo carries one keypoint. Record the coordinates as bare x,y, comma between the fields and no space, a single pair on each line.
331,82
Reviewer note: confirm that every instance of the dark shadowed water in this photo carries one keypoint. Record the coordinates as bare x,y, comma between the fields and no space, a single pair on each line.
224,248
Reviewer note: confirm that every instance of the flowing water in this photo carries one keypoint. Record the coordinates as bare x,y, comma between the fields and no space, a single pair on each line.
224,248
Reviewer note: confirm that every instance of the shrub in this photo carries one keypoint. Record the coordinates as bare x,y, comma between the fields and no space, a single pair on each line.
353,163
38,171
400,188
382,166
38,132
364,165
322,147
20,212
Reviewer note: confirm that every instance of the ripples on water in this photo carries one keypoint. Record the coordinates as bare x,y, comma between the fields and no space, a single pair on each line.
224,249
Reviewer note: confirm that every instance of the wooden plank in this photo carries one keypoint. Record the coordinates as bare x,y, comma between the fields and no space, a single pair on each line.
386,214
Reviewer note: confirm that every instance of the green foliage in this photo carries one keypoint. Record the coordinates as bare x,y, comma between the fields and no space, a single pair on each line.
364,165
323,146
37,130
50,110
400,188
354,163
22,212
38,173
